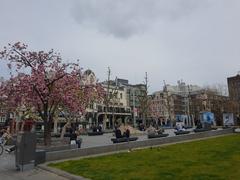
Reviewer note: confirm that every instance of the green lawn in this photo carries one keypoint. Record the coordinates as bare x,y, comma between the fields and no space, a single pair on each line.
217,158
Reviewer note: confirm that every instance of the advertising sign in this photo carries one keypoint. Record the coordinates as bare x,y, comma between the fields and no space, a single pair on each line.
135,112
181,120
207,117
228,119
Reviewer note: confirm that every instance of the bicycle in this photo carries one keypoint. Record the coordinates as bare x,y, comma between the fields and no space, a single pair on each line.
2,144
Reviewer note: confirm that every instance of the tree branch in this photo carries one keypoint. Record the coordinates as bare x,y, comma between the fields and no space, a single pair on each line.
28,63
39,94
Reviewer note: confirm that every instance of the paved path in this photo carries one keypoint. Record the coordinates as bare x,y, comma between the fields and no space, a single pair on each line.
105,139
7,161
8,171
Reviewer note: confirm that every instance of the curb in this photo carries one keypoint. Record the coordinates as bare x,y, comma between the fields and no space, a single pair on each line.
76,177
127,150
61,173
67,154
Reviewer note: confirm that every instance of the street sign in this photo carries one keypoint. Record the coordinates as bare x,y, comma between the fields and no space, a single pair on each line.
135,112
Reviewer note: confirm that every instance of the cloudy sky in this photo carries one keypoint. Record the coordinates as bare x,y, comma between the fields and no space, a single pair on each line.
196,41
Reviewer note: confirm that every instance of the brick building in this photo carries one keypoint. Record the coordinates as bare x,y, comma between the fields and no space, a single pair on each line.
208,100
234,87
234,94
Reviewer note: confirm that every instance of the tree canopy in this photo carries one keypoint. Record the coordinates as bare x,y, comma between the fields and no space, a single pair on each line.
42,81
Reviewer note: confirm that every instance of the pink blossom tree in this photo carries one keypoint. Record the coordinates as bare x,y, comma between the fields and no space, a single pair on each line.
41,80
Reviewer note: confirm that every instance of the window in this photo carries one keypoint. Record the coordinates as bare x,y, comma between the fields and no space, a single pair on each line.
3,119
120,95
91,106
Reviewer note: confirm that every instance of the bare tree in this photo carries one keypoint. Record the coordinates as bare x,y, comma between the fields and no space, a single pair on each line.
144,101
218,88
111,94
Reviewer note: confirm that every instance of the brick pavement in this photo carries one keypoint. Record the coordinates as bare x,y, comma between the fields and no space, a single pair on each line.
9,172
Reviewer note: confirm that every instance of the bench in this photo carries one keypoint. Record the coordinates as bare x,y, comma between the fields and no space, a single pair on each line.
181,132
151,136
201,130
95,133
123,139
226,127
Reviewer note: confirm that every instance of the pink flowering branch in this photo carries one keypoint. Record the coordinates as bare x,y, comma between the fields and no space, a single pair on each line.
49,84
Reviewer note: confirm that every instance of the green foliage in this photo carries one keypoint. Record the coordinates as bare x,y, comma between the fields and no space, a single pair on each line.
217,158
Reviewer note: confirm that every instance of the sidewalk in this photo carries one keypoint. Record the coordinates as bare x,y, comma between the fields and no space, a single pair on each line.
8,171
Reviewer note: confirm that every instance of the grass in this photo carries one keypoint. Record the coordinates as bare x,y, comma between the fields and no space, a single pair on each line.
217,158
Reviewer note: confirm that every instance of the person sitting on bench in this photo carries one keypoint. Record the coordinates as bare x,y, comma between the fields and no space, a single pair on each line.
151,130
126,133
94,128
118,133
199,125
99,128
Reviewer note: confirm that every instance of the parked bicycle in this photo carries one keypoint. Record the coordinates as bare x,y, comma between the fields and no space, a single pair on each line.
2,144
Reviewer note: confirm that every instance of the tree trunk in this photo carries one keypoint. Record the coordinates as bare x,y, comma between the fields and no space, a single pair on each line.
22,125
55,127
47,119
144,121
47,133
68,124
105,122
17,127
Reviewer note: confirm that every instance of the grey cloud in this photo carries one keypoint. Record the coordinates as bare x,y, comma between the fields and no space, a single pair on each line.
124,18
194,40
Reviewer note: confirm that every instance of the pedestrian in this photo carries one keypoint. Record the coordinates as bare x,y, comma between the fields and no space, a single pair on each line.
73,137
79,139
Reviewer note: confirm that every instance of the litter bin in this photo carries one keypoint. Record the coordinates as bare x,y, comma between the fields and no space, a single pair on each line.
25,150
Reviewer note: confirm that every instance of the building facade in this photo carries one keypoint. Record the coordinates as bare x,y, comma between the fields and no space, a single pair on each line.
114,109
136,95
234,87
208,100
234,94
173,102
162,107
